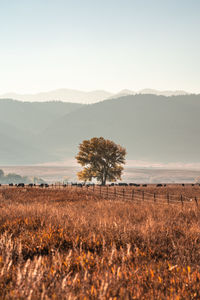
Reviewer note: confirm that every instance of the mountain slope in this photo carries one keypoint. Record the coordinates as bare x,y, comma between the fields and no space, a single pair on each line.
19,124
33,117
151,127
18,147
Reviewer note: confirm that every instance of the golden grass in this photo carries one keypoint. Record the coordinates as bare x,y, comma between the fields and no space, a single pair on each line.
70,245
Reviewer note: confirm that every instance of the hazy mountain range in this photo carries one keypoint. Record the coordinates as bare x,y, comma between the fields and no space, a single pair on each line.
65,95
151,127
68,95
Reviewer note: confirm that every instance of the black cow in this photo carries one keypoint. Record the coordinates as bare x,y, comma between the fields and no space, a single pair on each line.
20,184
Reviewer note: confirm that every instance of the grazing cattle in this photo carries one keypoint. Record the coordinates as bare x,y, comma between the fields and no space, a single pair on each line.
159,185
144,185
183,184
11,184
20,184
122,184
46,185
80,185
30,184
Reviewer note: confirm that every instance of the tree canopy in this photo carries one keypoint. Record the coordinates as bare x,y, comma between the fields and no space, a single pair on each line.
102,159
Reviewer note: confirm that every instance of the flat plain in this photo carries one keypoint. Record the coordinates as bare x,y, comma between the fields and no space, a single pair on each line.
72,244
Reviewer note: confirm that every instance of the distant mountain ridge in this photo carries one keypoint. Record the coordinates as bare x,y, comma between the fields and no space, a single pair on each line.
75,96
20,124
34,116
149,92
151,128
65,95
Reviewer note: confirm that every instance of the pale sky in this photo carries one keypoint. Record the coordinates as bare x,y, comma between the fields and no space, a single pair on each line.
99,44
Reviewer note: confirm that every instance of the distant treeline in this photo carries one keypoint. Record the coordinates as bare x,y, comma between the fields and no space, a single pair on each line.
15,178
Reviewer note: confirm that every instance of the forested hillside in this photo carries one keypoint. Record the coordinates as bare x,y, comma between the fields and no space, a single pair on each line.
154,128
150,127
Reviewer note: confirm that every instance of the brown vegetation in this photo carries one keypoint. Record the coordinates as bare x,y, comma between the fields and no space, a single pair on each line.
65,244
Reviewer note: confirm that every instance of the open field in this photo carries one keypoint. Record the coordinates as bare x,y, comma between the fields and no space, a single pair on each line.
73,244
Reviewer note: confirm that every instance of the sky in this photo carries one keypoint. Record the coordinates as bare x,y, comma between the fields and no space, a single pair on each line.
99,44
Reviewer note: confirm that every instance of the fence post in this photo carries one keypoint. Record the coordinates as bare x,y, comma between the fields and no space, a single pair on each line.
168,198
132,194
154,197
182,200
196,201
123,191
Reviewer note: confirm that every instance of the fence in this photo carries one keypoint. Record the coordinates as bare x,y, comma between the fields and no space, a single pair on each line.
127,194
119,193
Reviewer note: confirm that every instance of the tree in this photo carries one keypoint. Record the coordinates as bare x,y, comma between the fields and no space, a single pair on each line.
102,159
1,173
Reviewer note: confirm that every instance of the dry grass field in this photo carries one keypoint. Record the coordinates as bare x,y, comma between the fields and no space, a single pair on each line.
67,244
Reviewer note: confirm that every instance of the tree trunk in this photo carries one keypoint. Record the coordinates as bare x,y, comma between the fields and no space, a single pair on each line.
104,177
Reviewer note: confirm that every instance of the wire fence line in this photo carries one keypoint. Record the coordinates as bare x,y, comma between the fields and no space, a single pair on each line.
131,194
117,193
141,195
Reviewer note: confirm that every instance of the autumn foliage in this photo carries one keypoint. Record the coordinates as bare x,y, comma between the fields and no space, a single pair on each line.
66,244
102,159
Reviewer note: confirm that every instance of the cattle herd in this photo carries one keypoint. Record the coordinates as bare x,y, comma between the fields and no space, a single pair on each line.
76,184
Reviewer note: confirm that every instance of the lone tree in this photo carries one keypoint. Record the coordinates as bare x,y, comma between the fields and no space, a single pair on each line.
102,159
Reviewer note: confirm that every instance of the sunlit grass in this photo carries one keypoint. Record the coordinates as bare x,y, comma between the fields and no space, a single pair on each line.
66,244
